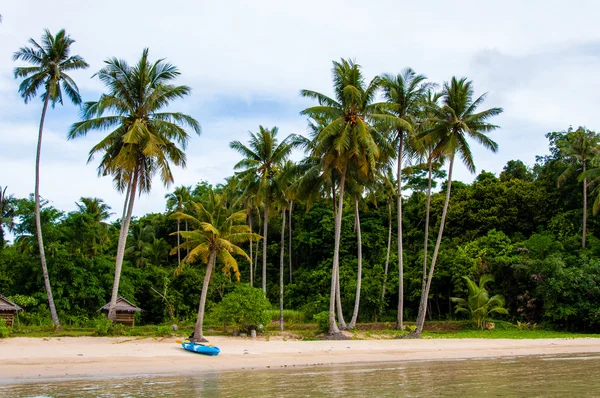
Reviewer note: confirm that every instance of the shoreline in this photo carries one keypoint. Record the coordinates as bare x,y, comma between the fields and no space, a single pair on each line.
36,360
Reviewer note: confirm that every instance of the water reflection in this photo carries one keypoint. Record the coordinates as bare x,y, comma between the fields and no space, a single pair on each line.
546,376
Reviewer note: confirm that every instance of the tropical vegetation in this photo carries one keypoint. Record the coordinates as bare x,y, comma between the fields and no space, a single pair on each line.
376,178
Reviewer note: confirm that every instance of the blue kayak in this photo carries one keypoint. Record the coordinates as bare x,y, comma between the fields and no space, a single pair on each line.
201,348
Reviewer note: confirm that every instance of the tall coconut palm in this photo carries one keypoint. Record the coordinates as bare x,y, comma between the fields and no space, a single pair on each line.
456,121
176,201
579,147
425,148
143,139
403,93
281,199
383,188
318,183
217,231
355,190
263,157
50,60
348,138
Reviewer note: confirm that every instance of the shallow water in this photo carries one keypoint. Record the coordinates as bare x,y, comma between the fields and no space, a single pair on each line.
545,376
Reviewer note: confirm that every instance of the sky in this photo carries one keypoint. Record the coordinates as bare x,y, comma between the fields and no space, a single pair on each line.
246,62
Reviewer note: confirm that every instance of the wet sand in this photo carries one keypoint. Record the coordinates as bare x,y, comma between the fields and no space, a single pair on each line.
36,359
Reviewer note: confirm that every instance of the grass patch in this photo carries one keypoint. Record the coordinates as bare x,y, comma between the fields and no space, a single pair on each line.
289,316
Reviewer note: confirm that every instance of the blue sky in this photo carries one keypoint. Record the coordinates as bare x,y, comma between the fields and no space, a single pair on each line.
247,60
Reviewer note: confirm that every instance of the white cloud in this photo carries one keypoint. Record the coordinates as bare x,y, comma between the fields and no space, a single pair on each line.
538,59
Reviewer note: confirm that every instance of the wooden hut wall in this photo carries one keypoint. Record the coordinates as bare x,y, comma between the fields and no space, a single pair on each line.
8,316
126,318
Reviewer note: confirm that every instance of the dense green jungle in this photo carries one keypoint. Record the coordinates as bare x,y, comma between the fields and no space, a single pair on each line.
518,226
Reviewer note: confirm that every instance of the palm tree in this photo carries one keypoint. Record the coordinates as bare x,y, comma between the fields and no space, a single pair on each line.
7,213
479,304
355,189
217,232
383,187
176,202
403,94
281,194
453,123
51,61
138,246
263,158
98,212
349,137
425,148
144,138
579,147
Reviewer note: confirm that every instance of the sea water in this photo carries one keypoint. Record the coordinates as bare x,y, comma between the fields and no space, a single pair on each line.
543,376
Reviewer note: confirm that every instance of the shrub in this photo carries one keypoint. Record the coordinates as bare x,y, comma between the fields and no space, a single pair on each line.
164,331
245,307
322,319
102,325
4,330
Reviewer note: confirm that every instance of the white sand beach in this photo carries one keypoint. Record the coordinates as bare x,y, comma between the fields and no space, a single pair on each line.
31,359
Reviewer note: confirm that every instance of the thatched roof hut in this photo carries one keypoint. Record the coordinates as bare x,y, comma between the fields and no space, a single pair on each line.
125,311
8,309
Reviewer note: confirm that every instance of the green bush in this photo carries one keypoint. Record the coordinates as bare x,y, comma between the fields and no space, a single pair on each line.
164,331
322,319
245,307
4,330
103,326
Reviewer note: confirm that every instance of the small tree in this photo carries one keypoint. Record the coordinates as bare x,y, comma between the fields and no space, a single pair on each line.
479,304
246,307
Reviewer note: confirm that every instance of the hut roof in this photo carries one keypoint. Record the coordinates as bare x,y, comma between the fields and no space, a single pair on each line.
122,305
7,305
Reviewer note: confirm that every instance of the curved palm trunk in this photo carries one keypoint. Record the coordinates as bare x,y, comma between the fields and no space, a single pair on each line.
251,265
387,257
178,249
333,328
425,294
584,207
264,254
426,240
338,300
290,239
359,275
400,320
38,221
256,250
186,230
281,258
198,336
121,246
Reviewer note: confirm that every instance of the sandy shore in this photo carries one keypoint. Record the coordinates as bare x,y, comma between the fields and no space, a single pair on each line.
34,359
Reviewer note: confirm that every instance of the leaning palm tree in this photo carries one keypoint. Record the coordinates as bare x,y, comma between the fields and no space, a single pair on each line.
453,123
349,137
217,231
143,139
51,61
578,148
263,158
403,94
176,201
